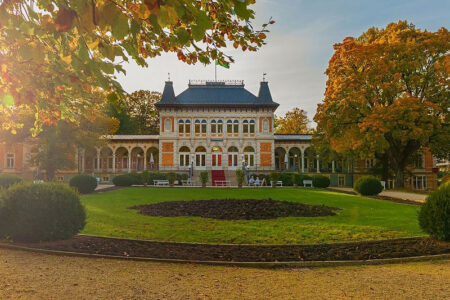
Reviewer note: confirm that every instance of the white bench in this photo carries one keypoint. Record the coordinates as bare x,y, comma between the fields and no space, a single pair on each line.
307,182
160,182
279,183
222,182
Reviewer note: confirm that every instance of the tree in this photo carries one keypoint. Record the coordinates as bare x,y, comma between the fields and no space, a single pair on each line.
294,122
54,54
387,93
140,105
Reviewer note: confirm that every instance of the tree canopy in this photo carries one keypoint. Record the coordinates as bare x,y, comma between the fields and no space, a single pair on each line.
55,53
388,93
294,122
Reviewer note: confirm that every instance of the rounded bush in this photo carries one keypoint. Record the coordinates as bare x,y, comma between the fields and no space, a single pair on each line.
41,212
286,177
7,180
368,186
320,181
434,215
123,180
298,178
84,183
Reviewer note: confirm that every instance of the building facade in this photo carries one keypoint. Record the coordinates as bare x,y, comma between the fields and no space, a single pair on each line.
213,126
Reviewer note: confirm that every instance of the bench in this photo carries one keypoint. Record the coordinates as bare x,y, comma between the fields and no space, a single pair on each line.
222,182
186,182
307,182
160,182
279,183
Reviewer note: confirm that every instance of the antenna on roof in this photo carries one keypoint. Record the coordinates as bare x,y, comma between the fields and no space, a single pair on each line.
168,74
264,77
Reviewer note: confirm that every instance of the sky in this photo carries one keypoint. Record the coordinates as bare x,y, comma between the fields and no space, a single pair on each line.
299,46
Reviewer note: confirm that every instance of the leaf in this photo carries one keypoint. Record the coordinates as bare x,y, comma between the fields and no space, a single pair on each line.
8,101
120,26
64,19
242,11
183,35
198,33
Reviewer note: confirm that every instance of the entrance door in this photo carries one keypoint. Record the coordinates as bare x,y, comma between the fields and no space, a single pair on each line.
216,158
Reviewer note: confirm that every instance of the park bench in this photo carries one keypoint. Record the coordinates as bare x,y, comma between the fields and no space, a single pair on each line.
160,182
222,182
307,182
186,182
279,183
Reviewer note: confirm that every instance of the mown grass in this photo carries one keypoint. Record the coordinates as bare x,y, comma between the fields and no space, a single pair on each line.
360,218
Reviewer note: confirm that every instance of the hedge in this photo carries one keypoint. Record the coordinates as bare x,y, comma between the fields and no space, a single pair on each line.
7,180
320,181
368,186
123,180
84,183
298,178
434,214
41,212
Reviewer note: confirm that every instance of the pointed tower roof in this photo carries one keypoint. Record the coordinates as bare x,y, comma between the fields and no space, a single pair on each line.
168,95
264,93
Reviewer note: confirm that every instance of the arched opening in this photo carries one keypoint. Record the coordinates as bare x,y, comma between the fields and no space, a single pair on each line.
216,157
310,160
280,155
121,159
106,158
200,157
152,158
185,154
294,158
137,159
233,153
249,156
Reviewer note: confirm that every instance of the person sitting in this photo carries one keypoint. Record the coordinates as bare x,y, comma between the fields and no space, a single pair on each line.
257,182
263,182
251,182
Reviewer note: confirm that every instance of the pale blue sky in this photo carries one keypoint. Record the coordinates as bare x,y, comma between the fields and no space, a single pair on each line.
299,47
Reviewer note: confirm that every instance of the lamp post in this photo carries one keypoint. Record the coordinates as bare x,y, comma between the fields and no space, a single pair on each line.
295,162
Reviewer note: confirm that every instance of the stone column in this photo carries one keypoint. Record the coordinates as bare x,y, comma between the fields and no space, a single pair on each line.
129,162
333,167
98,160
318,164
302,157
83,160
114,162
145,160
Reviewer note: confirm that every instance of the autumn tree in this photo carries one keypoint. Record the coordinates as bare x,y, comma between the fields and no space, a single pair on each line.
53,54
140,105
387,94
294,122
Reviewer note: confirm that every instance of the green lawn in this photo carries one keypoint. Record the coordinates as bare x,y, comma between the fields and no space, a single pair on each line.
360,218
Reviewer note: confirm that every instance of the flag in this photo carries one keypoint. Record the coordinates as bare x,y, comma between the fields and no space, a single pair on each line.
225,65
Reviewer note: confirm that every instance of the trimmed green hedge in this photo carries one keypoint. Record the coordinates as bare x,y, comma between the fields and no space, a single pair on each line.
84,183
298,178
124,180
320,181
40,212
434,215
368,186
7,180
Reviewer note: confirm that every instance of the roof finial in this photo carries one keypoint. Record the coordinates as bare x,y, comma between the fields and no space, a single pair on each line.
264,77
168,74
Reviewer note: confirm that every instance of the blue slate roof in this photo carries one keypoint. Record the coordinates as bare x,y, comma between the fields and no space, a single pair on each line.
216,94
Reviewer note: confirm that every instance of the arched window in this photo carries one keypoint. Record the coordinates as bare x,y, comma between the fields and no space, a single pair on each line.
213,126
266,126
184,156
233,156
200,156
200,149
197,126
180,126
245,127
252,126
187,126
236,126
167,125
249,156
229,126
204,126
220,127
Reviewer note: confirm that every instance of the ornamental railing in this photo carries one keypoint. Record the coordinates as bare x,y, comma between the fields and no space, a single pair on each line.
217,83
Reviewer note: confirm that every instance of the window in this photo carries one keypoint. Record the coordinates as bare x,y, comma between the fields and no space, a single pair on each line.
197,127
249,126
249,156
200,157
246,128
252,126
213,126
230,126
219,127
266,126
105,179
419,161
184,156
60,178
233,157
184,126
419,182
181,126
370,163
10,160
204,127
167,125
236,126
341,181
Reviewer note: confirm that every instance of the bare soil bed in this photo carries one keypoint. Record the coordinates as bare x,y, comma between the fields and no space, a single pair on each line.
249,253
235,209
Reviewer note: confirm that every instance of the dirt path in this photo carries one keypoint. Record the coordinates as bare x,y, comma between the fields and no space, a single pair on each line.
26,275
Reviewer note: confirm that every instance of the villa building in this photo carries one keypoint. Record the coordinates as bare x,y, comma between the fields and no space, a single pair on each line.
217,126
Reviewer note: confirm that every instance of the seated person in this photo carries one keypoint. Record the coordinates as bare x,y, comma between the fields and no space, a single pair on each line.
263,182
251,181
257,182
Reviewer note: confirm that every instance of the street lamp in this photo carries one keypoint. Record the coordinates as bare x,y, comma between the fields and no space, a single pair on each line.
295,161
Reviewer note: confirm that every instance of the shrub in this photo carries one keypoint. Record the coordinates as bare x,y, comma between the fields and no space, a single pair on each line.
434,215
123,180
181,177
7,180
240,177
274,176
368,186
171,177
320,181
138,179
298,178
204,177
445,178
40,212
286,177
84,183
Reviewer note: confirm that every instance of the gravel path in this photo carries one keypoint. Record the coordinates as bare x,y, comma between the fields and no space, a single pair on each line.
26,275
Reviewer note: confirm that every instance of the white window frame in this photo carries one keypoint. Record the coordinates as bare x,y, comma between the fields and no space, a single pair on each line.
10,160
